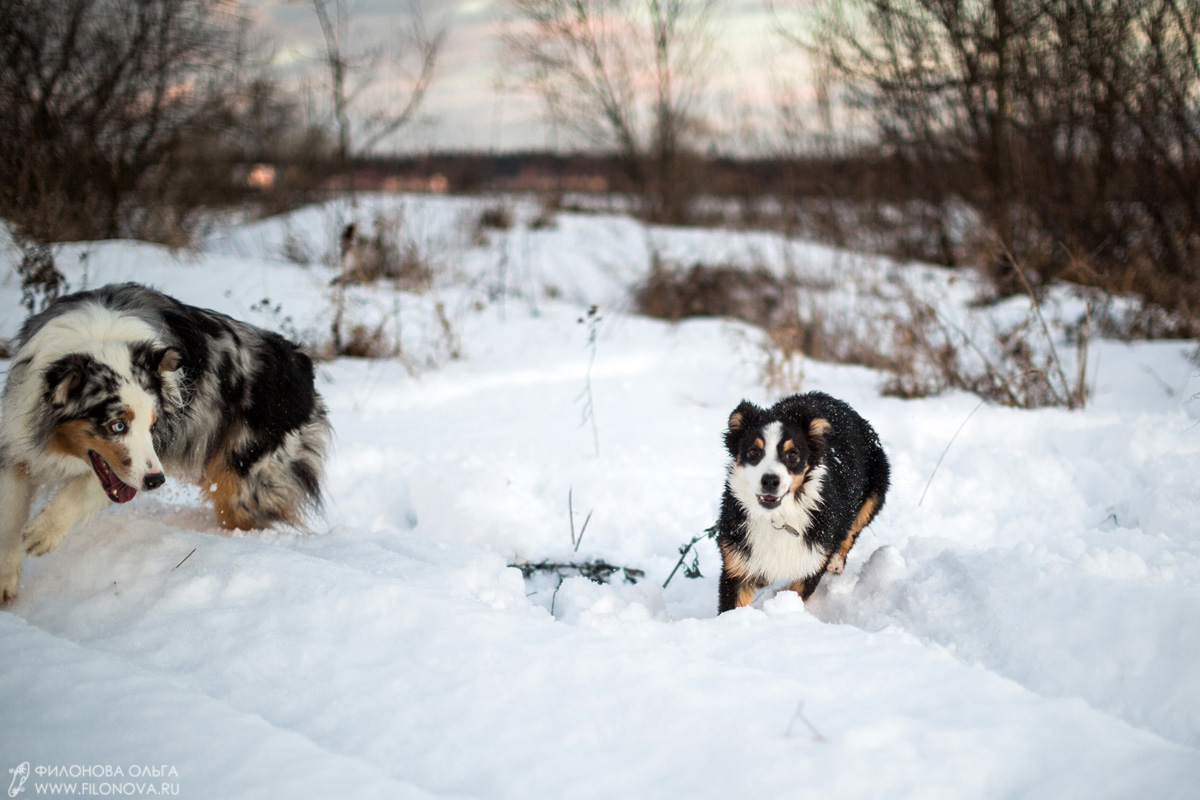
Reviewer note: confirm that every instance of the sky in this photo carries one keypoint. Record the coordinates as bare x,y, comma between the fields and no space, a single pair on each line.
477,101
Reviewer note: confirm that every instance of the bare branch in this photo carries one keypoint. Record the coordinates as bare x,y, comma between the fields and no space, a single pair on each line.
352,73
626,74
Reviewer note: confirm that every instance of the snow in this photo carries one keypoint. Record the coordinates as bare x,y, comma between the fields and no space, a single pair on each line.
1027,629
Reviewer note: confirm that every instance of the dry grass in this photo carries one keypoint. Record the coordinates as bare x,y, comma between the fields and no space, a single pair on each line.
498,218
921,352
1020,367
364,342
782,369
549,204
296,249
387,254
752,295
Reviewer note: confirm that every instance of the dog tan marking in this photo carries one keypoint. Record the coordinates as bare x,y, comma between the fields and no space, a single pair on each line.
837,564
232,499
72,438
76,437
797,482
735,567
736,420
733,562
797,586
819,427
789,445
864,516
745,595
760,444
222,486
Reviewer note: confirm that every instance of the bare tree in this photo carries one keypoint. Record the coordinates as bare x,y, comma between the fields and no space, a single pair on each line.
98,95
1074,125
354,67
625,74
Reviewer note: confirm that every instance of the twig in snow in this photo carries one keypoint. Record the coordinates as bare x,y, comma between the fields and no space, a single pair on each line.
693,569
597,570
947,450
1166,387
185,558
799,715
589,409
1082,340
501,290
554,597
571,518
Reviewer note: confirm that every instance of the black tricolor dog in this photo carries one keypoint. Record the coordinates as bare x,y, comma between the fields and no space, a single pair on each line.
109,388
808,474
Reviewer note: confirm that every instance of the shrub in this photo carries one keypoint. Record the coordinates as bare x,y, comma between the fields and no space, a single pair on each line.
386,254
921,352
755,296
119,118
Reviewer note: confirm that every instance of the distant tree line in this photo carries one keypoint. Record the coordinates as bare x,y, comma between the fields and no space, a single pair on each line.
1071,127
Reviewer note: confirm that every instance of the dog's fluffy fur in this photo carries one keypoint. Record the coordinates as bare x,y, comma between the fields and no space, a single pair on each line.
808,474
111,387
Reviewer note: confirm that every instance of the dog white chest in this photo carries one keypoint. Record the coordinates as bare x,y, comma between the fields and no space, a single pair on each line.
777,555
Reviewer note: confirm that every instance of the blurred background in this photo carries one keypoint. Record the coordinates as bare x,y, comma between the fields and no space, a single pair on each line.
1035,140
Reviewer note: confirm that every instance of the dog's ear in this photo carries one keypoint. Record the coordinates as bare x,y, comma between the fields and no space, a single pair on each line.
65,379
742,417
818,429
168,361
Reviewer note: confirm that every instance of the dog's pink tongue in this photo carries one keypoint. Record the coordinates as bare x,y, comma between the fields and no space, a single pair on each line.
124,492
117,490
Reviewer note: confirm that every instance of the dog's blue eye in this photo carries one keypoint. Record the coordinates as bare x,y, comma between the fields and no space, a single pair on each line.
117,427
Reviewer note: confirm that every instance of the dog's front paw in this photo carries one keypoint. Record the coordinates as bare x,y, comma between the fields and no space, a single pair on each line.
836,565
42,535
10,576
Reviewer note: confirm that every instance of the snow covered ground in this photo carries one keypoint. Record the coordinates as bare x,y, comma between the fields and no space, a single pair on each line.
1030,628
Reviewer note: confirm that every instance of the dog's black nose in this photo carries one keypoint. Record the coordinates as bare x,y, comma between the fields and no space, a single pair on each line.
770,482
153,480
